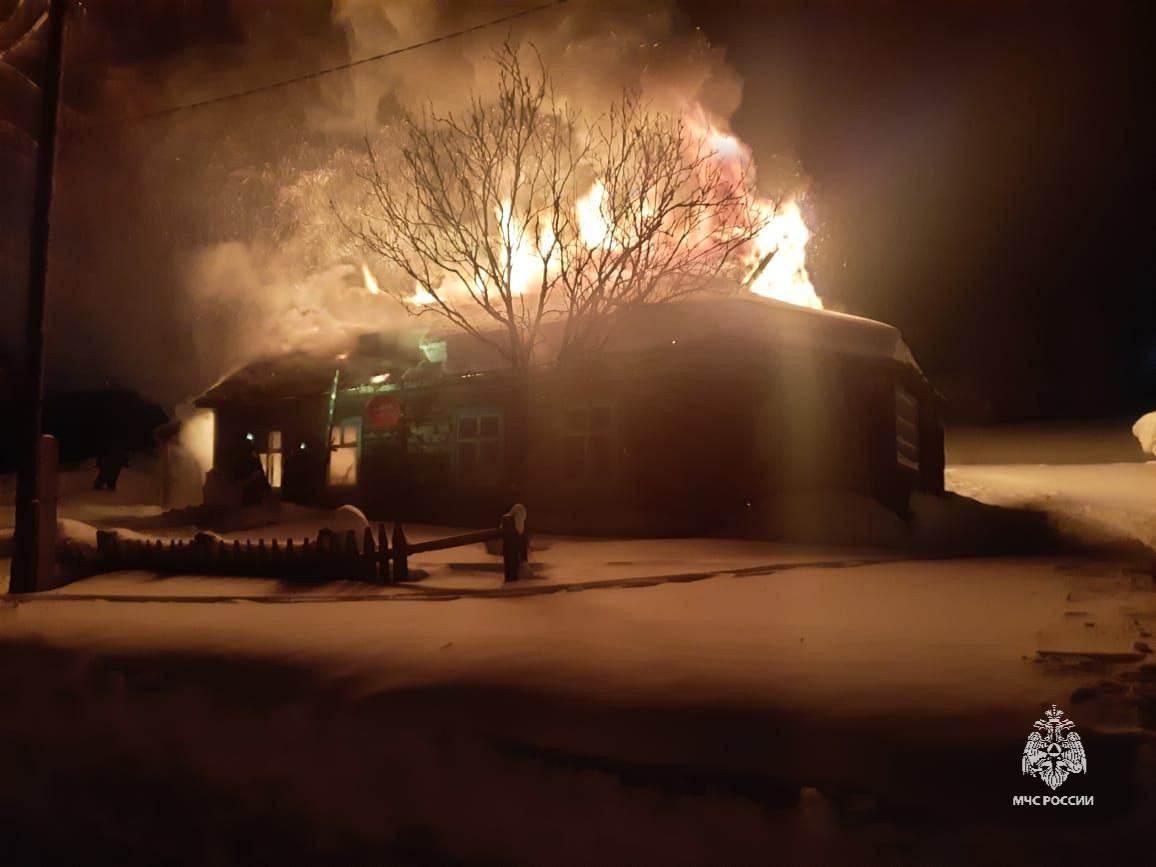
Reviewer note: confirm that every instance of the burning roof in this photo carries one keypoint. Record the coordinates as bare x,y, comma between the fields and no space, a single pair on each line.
376,359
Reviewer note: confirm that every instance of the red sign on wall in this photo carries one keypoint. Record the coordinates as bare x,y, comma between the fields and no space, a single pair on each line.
382,412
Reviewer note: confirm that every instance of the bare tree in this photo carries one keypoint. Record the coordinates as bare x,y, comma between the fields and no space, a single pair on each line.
519,209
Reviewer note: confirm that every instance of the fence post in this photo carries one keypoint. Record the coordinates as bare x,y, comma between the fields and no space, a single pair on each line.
199,553
290,560
383,574
349,559
368,561
400,554
106,548
515,549
307,560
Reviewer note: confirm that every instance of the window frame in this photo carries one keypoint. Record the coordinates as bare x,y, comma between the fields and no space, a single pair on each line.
592,475
477,440
340,428
275,479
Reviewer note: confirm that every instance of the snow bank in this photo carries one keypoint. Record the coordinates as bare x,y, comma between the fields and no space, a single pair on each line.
1097,503
1145,431
828,518
948,525
290,521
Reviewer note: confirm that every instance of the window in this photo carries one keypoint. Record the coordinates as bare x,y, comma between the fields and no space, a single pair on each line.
906,428
587,450
478,446
271,459
344,450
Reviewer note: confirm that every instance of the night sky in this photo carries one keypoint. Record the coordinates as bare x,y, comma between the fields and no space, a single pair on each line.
979,174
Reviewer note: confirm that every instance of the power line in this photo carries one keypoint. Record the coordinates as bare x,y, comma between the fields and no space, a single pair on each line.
329,70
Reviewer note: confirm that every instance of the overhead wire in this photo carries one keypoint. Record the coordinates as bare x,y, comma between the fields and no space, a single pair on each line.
329,70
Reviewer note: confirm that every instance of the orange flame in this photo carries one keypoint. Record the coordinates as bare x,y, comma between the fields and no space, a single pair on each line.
784,275
776,266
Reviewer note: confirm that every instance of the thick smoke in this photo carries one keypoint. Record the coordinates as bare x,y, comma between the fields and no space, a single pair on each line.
191,243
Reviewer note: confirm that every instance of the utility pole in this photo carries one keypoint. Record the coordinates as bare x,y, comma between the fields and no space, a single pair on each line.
36,484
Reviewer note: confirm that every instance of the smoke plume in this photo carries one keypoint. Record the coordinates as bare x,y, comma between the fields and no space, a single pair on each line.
189,243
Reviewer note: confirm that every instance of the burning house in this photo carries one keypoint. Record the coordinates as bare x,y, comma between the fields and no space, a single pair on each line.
599,365
692,417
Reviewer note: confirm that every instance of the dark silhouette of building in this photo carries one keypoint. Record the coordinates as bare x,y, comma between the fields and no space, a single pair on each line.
692,418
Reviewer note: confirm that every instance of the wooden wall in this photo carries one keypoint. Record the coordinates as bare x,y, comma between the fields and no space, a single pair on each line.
669,441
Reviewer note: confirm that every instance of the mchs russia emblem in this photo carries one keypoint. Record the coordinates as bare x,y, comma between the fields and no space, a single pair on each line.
1054,750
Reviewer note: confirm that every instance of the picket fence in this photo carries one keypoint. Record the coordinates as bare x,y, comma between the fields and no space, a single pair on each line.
377,558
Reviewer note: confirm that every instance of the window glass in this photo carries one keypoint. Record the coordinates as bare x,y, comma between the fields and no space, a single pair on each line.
344,452
343,466
588,445
478,450
273,471
271,459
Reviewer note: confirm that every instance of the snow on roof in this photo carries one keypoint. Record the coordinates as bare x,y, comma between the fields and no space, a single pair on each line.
640,328
755,318
745,317
301,373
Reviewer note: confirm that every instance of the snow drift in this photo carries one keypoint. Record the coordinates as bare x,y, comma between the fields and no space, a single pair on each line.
1145,431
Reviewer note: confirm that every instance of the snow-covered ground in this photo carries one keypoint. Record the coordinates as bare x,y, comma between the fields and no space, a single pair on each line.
1099,502
641,701
1093,481
662,724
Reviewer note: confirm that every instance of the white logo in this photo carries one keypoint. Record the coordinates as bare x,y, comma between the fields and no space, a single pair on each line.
1054,750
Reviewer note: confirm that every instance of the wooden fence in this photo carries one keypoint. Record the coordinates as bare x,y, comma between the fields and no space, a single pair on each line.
376,558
